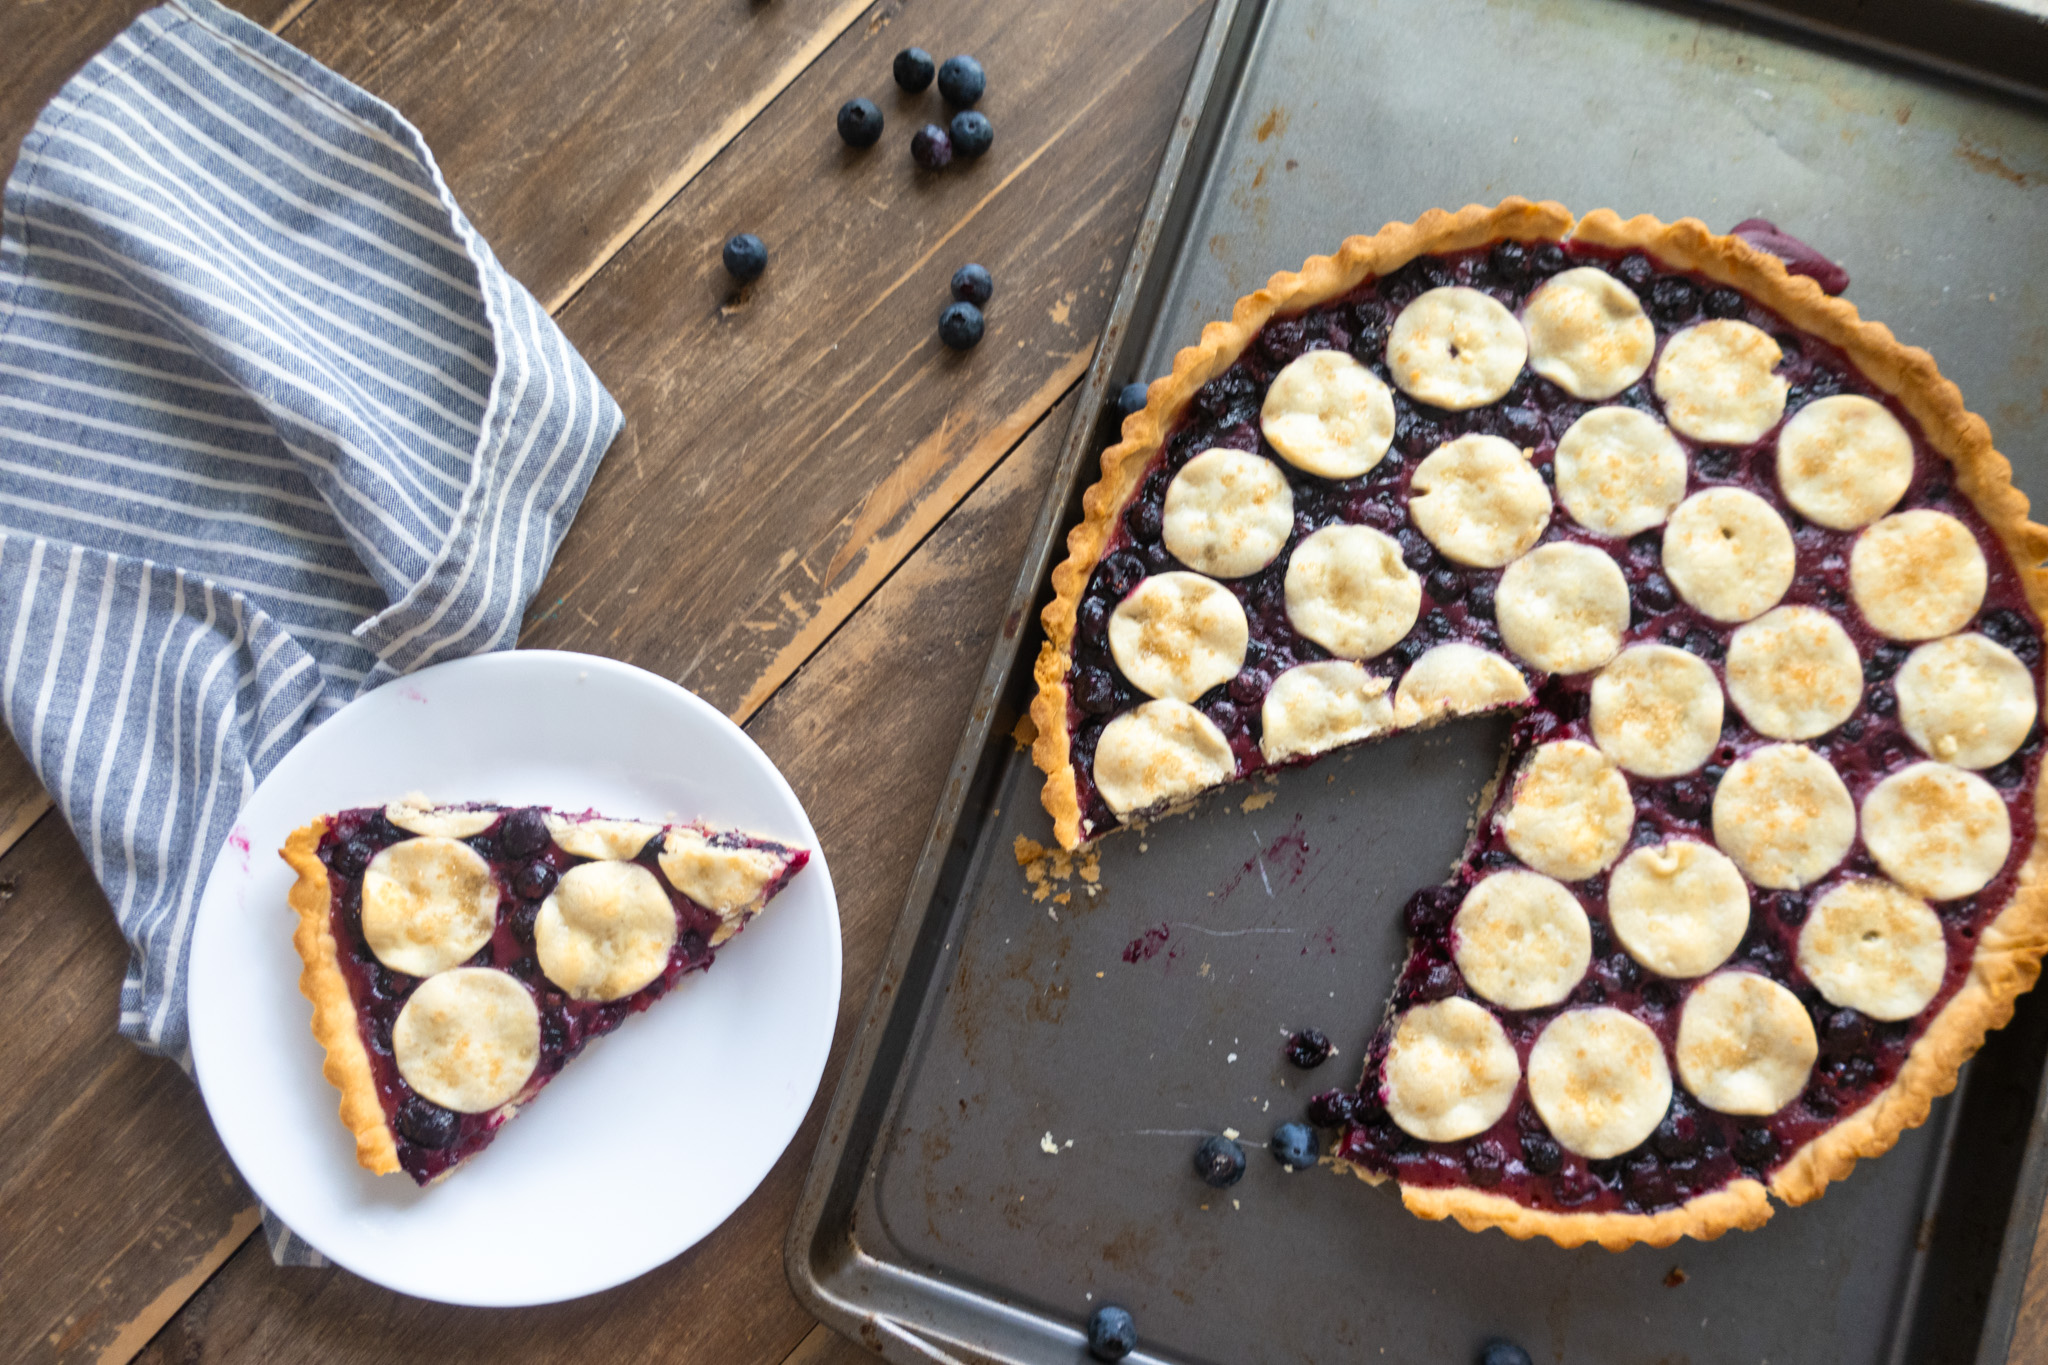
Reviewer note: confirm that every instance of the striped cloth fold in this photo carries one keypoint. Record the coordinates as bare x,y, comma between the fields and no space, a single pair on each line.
275,427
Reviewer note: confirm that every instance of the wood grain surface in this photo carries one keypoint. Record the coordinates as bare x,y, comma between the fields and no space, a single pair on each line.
114,1186
869,773
22,798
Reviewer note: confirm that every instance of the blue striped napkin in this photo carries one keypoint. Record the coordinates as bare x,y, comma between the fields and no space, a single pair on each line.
275,427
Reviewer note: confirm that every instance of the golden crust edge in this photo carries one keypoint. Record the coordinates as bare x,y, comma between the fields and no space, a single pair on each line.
1320,278
1741,1204
347,1067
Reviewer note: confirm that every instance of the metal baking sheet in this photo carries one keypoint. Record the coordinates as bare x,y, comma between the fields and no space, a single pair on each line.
1010,1143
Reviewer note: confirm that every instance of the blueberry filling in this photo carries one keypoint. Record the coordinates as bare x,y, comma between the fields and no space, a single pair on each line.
431,1139
1695,1149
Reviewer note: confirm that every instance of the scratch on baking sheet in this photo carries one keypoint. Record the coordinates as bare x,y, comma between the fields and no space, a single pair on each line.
1227,933
1259,844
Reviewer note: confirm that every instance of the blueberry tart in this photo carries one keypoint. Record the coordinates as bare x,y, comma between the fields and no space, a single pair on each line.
458,957
1764,863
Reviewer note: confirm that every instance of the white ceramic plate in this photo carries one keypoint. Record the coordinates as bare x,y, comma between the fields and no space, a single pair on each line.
654,1135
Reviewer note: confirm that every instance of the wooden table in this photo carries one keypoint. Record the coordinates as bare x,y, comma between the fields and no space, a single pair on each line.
810,519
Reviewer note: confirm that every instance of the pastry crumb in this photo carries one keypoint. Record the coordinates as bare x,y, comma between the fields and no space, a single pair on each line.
1024,732
1028,850
1048,1146
1676,1278
1258,801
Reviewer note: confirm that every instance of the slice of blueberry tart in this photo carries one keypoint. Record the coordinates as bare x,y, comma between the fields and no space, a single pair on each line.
459,956
1766,859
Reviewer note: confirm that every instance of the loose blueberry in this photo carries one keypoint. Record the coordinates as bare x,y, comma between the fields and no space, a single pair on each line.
961,81
1130,399
1219,1161
1309,1048
972,133
860,123
1112,1334
960,326
425,1124
1503,1352
931,148
746,256
914,68
973,284
533,882
1724,303
524,833
1294,1146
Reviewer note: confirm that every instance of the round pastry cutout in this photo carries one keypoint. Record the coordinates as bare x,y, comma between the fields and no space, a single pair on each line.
1719,384
1873,947
1479,501
1349,591
1917,575
417,815
1794,673
1318,706
1785,817
1619,471
1562,607
428,904
617,840
1599,1080
1588,334
1745,1044
729,882
1178,634
1456,348
1966,701
1680,908
1656,711
1844,461
1456,679
1522,940
1328,415
467,1039
1728,554
1450,1071
1937,830
1569,813
1228,513
1160,752
606,931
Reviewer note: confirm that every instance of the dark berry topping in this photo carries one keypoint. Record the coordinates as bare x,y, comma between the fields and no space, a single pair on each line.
1673,300
1724,303
1336,1108
1121,572
973,284
972,133
1446,585
533,882
352,858
1843,1032
1501,1352
1510,261
1635,271
913,69
1144,520
961,81
1755,1147
1547,259
1541,1155
1486,1161
1130,399
524,833
1416,551
1883,662
931,147
1309,1048
1879,701
746,256
424,1124
1705,644
1655,593
1112,1334
2009,628
1095,691
1294,1146
1247,687
1219,1161
960,326
1678,1137
860,123
1479,602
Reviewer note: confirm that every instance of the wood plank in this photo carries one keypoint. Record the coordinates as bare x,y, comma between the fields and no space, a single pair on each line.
788,443
114,1183
564,128
865,733
826,1347
2030,1330
43,43
22,798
